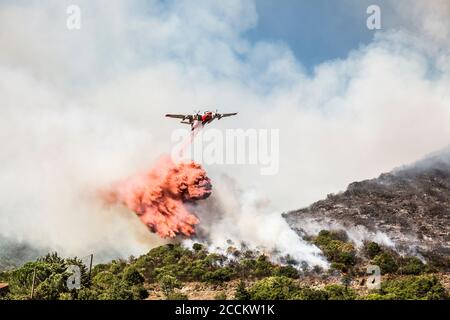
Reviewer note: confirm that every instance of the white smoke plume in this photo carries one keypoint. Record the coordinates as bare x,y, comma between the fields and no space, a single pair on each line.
81,109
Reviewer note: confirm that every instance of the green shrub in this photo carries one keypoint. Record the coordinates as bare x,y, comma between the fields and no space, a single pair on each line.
241,292
50,288
386,261
247,267
104,280
338,266
339,292
274,288
132,276
169,283
286,271
371,249
335,249
311,294
413,287
325,236
411,265
139,292
65,296
375,296
197,246
219,275
263,267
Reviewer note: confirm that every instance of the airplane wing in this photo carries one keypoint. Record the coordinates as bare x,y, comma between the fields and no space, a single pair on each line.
178,116
223,115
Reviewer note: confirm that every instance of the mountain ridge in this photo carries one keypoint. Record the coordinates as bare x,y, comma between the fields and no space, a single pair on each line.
410,205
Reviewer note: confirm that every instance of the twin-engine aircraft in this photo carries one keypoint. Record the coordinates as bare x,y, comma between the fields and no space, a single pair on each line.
196,120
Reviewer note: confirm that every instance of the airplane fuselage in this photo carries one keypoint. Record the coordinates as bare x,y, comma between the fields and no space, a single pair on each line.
196,120
200,120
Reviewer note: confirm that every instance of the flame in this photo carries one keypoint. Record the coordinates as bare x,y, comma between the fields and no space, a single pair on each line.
161,196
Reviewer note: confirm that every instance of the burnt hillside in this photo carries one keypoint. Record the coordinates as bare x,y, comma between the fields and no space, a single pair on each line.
411,205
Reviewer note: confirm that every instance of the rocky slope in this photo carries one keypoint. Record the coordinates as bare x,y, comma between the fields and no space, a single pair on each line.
408,208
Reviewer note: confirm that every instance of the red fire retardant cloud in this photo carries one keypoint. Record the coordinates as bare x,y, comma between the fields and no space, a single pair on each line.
160,196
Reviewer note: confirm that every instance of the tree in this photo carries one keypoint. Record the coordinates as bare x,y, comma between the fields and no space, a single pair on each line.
197,246
169,283
241,292
371,249
132,276
218,276
411,265
336,249
287,271
413,288
263,266
346,280
386,262
274,288
50,288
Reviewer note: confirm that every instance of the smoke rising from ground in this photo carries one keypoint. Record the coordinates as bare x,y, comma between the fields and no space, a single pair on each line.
82,109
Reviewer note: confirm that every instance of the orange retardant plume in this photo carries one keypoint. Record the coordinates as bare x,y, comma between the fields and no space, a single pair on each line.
161,196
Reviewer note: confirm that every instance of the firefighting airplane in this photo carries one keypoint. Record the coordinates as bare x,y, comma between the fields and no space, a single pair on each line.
196,120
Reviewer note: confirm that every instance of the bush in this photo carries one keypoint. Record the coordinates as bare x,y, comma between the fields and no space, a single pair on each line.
274,288
339,292
263,267
219,275
339,266
50,288
139,292
375,296
311,294
132,276
386,261
325,236
371,249
413,288
411,266
65,296
335,249
286,271
241,292
169,283
104,280
197,246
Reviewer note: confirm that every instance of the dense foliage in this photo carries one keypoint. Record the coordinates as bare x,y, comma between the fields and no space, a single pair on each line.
252,275
410,288
337,249
107,282
283,288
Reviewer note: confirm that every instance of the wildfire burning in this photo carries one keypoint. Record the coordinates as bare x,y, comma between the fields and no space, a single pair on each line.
161,196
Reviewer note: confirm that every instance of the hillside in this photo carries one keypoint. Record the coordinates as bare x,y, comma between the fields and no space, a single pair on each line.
410,205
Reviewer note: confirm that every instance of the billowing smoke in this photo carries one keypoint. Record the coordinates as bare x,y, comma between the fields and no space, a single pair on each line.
244,218
160,196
